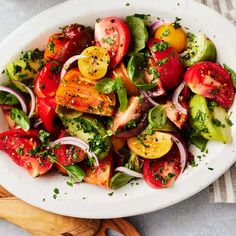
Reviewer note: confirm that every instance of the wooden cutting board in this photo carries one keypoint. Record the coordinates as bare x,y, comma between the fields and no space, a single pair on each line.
41,223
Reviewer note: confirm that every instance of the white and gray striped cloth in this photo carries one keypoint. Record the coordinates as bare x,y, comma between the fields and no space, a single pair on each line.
223,190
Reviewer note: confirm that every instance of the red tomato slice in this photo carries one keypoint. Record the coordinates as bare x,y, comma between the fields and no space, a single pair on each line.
114,35
212,81
75,45
100,175
46,110
168,65
174,115
162,172
17,144
67,154
149,78
47,81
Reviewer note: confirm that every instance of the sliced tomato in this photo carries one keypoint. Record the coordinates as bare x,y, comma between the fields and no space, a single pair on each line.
162,173
149,77
17,144
212,81
67,154
46,110
75,45
168,65
47,81
100,175
175,115
72,30
113,34
133,112
55,44
121,72
78,93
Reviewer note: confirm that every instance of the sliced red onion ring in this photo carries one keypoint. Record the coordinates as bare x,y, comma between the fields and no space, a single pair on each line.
78,143
129,172
17,95
157,24
175,99
33,100
67,64
147,96
37,123
183,150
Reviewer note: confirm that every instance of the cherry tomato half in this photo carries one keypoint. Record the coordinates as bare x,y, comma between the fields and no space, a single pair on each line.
18,144
176,37
167,63
47,81
212,81
114,35
67,154
162,173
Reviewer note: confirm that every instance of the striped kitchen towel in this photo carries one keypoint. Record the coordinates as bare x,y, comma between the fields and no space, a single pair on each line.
223,190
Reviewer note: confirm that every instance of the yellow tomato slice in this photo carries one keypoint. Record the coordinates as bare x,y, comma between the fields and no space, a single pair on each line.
94,65
151,146
175,37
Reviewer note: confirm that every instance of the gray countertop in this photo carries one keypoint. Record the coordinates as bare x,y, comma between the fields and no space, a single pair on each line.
195,216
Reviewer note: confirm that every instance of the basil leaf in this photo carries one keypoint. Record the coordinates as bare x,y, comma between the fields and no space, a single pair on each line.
139,34
135,69
119,180
122,94
199,142
20,118
232,73
8,99
76,174
106,86
157,116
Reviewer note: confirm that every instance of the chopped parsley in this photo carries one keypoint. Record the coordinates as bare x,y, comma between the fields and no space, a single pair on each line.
51,46
44,137
166,33
209,168
56,192
162,61
16,69
131,124
20,151
127,4
157,47
110,194
176,24
142,16
108,40
55,68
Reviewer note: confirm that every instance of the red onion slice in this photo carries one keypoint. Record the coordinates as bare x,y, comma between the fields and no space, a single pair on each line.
67,64
147,96
183,150
157,24
175,99
33,99
17,95
129,172
78,143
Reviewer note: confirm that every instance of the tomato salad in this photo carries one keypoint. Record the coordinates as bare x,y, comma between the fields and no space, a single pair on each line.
119,102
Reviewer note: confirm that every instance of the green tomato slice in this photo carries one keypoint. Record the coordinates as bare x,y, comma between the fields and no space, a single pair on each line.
199,48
